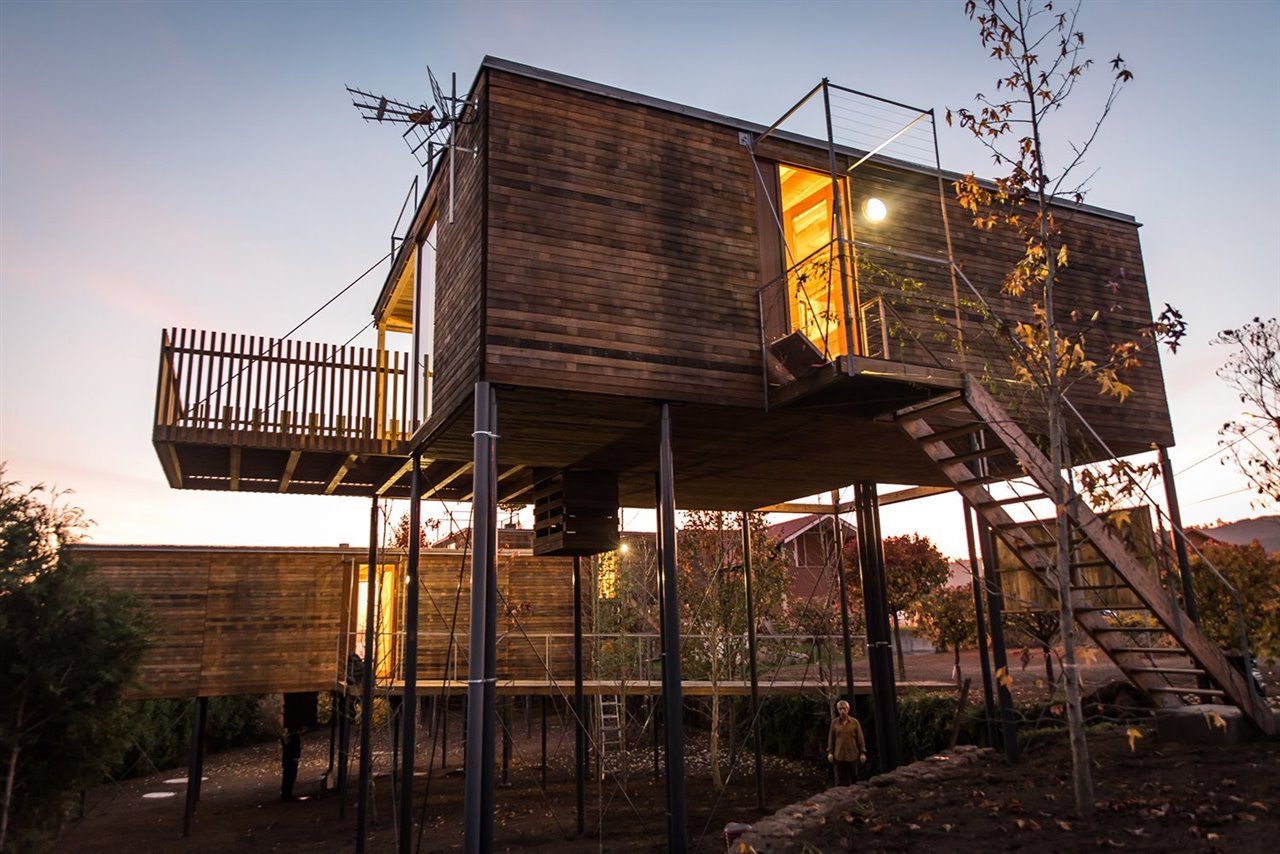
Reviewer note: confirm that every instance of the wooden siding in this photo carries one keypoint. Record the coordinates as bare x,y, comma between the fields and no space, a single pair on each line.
622,248
534,608
231,621
262,620
625,253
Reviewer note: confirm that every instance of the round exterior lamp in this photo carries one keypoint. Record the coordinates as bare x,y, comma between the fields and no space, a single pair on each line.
874,209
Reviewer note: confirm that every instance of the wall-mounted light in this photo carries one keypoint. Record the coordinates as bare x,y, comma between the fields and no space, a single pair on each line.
874,209
624,548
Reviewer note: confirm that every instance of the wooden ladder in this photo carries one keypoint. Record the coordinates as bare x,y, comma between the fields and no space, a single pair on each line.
610,714
1169,659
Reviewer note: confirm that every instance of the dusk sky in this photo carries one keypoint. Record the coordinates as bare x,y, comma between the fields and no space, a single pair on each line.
199,164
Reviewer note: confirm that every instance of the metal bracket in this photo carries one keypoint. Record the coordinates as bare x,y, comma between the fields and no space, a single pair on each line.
744,139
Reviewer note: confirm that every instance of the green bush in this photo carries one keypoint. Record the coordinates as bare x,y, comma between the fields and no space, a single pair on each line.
159,731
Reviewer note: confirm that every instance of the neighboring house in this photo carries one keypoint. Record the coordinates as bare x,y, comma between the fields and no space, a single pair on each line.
810,546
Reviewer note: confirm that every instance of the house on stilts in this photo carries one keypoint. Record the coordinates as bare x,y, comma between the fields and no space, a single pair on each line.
609,300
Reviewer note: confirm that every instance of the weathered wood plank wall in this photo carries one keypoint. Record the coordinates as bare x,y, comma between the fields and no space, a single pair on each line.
241,620
625,255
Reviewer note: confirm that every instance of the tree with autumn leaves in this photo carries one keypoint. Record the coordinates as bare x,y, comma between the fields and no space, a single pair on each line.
1041,52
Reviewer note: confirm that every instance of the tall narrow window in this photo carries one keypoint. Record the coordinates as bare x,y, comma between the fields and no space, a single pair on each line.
815,302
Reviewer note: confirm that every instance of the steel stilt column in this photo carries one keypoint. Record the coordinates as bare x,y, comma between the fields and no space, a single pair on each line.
490,621
366,681
579,703
984,661
478,761
999,654
343,710
195,761
879,646
409,705
676,835
846,638
1179,541
751,659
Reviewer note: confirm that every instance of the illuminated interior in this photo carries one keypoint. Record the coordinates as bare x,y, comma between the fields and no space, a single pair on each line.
814,301
386,615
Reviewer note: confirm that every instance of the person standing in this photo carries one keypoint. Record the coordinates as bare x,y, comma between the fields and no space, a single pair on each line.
846,746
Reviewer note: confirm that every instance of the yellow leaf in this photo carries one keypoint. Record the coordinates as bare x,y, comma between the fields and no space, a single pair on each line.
1134,735
1088,654
1004,678
1062,255
1213,719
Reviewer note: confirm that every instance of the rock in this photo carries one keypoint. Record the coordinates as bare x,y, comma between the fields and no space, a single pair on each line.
1207,723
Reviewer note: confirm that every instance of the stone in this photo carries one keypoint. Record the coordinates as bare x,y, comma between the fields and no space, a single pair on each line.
1207,723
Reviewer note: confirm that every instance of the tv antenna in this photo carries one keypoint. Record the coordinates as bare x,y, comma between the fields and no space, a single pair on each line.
430,128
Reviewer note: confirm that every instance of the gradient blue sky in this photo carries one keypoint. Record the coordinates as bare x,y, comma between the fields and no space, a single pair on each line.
199,164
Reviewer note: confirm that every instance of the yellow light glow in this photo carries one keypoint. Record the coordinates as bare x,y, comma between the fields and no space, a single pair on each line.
624,548
874,209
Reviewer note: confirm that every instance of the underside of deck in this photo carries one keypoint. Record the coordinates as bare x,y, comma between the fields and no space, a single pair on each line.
820,435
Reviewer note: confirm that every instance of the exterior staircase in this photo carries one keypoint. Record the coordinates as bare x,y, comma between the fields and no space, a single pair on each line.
976,444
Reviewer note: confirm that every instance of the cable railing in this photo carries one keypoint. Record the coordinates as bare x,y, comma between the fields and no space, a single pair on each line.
216,386
615,657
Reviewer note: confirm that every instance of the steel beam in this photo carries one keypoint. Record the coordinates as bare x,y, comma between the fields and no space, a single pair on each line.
366,680
677,838
409,707
999,654
477,819
879,640
751,659
195,761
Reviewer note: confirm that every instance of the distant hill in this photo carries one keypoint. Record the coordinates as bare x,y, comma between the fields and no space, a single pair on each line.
1264,529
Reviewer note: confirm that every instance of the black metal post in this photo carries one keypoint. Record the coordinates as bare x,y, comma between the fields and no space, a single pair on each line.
662,638
478,825
993,734
579,702
343,710
506,740
409,703
1179,541
333,734
751,659
671,689
844,596
195,761
879,640
366,680
995,608
544,741
490,626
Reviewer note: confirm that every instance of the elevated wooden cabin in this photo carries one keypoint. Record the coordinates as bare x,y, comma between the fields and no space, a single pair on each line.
590,258
592,251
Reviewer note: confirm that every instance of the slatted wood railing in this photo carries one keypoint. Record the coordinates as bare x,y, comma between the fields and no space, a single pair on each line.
225,388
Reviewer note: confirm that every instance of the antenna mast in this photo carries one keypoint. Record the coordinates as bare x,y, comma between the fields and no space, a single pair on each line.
430,129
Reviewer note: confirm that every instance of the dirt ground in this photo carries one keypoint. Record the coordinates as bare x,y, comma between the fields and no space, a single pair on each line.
1157,796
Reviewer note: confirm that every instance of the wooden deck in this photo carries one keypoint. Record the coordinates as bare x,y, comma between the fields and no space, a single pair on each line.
635,688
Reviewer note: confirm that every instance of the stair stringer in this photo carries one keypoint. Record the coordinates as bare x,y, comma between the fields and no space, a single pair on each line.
1033,462
1040,562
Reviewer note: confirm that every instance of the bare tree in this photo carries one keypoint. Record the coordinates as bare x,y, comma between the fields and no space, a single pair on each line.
1253,370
